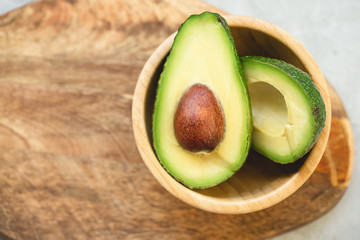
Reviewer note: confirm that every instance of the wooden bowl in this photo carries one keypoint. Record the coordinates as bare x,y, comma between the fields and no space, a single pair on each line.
260,183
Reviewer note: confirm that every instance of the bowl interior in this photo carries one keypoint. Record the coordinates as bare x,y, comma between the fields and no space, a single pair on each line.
259,176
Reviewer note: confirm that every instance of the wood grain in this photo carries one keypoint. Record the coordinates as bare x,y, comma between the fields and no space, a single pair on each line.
69,168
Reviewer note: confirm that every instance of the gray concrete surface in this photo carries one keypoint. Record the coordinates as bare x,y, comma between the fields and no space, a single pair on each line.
7,5
330,30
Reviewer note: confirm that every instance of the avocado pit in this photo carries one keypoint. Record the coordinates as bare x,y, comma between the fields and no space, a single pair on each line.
199,122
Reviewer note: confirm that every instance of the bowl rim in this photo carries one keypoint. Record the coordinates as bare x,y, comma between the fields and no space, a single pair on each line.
222,205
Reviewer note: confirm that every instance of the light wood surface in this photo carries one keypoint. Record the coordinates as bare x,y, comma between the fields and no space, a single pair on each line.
260,183
69,165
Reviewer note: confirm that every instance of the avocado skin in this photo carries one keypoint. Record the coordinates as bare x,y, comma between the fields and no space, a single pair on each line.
241,73
304,81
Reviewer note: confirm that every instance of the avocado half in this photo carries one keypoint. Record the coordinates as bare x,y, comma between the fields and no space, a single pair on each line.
288,110
202,90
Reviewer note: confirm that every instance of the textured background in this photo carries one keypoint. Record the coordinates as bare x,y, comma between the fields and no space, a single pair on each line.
330,30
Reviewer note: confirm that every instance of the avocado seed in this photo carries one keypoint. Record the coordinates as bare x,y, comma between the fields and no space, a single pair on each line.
199,122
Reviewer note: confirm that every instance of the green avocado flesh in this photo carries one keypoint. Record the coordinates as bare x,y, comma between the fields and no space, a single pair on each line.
203,53
288,110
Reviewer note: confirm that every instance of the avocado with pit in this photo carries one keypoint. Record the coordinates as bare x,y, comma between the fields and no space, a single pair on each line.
202,117
288,110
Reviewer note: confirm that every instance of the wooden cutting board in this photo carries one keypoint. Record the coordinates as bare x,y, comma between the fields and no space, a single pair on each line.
69,167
